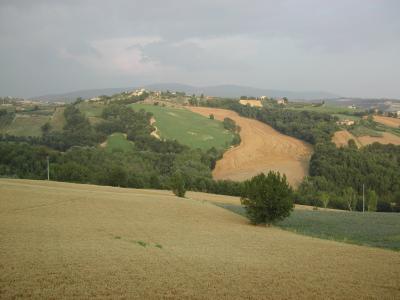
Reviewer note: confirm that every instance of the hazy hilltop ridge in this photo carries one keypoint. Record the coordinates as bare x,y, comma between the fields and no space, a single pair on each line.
231,91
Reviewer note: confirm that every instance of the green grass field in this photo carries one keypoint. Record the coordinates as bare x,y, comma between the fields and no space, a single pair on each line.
118,142
371,229
326,108
57,121
347,117
187,127
91,109
26,125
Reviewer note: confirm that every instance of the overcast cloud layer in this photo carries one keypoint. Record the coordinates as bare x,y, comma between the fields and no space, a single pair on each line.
347,47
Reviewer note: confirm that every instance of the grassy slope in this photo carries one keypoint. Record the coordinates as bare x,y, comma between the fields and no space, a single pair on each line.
118,141
187,127
370,229
62,240
91,109
330,109
27,125
57,121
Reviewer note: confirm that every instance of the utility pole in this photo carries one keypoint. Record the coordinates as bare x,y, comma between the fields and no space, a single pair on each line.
48,168
363,199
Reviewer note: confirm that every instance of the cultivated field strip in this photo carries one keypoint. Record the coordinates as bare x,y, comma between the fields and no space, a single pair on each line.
342,137
84,241
262,149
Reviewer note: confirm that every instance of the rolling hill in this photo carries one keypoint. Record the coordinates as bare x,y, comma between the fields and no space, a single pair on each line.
188,128
63,240
262,149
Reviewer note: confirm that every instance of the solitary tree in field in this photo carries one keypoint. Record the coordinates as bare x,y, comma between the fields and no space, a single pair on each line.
178,184
267,199
372,199
350,196
324,199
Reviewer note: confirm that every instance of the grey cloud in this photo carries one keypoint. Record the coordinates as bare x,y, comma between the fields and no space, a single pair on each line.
326,34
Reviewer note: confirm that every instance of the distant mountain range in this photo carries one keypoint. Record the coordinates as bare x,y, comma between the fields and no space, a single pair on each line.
229,91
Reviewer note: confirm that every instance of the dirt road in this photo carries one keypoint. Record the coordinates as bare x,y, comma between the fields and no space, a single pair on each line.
262,149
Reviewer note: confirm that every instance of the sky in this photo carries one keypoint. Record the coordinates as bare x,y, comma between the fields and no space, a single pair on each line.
347,47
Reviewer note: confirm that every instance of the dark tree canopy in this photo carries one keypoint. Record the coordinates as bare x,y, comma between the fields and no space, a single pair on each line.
267,198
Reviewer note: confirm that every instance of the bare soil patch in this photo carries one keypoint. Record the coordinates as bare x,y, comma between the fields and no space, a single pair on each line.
386,138
62,240
342,137
262,149
391,122
255,103
155,132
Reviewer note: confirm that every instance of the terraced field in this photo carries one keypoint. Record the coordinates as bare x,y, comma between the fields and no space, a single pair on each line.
62,240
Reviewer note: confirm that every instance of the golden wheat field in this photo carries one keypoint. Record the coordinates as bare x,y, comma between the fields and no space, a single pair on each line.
63,240
262,149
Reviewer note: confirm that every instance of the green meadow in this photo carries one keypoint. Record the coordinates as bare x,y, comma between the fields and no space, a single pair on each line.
187,127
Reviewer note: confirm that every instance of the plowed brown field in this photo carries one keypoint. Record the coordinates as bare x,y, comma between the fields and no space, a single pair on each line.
391,122
71,241
262,149
255,103
342,137
386,138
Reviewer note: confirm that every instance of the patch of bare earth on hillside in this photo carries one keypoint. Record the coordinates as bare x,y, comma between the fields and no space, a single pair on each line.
262,149
391,122
386,138
342,137
71,241
154,133
255,103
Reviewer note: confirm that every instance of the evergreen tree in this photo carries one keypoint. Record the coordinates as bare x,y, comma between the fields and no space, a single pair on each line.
267,199
178,184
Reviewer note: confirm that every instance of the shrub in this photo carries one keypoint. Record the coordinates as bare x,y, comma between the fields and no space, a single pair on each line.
178,184
267,199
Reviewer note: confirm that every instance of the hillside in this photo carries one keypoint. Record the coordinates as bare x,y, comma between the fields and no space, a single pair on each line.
188,128
62,240
262,149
